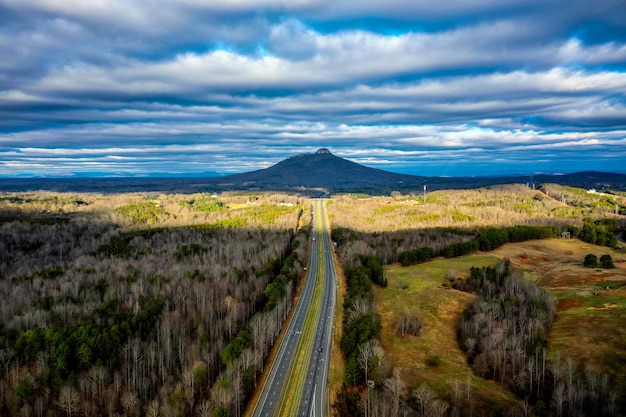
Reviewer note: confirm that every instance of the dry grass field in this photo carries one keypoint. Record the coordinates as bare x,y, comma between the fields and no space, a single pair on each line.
589,328
559,262
421,290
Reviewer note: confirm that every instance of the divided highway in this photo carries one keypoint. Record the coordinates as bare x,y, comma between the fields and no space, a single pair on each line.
296,385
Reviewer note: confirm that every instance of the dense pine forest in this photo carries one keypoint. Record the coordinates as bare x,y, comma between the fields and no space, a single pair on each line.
142,305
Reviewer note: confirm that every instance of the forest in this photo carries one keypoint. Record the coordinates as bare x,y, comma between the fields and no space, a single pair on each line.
142,305
147,304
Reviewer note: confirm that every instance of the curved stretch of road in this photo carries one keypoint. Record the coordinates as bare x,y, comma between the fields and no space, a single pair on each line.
305,390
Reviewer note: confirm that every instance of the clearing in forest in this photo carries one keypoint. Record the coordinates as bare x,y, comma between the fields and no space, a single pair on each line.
435,356
588,327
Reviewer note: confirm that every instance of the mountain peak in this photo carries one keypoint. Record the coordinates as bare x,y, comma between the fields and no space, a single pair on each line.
322,170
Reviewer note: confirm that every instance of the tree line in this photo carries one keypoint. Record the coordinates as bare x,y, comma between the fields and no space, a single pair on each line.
361,327
486,239
601,232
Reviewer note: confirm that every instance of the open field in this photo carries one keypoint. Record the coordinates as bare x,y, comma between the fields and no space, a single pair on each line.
559,262
589,328
421,290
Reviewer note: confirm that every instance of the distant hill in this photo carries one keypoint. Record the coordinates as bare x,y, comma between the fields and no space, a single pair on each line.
321,170
316,173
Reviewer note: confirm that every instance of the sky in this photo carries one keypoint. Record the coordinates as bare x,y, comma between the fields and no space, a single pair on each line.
454,87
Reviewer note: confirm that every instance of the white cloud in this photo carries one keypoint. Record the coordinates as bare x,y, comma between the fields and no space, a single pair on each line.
257,80
347,57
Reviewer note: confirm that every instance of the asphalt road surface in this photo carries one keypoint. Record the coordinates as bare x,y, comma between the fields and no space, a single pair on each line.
313,399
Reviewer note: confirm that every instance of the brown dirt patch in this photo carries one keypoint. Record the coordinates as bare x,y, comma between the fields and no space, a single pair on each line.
559,280
563,304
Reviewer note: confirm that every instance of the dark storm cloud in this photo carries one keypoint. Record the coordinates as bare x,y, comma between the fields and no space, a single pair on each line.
475,86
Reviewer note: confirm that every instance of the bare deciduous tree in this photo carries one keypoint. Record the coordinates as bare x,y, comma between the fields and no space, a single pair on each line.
68,400
408,324
558,398
424,397
457,390
397,388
